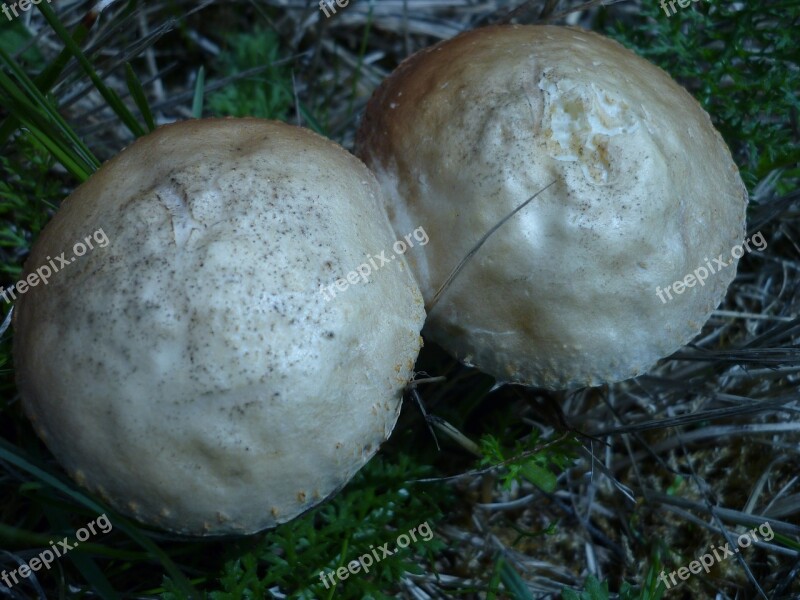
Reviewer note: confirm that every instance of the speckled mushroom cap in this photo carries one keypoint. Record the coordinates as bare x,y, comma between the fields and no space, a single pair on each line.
191,372
565,293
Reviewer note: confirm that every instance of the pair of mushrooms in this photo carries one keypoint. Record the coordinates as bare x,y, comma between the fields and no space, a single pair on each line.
191,374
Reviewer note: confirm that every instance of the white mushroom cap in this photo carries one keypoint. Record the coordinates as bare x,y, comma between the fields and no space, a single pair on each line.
565,293
191,372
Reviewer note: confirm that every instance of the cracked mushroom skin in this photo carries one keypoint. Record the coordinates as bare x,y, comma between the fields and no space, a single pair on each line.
191,372
564,294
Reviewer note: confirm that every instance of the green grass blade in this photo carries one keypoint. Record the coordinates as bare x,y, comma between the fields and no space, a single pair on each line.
61,152
494,582
93,576
362,51
32,106
108,94
11,454
13,535
139,97
311,122
539,476
87,567
46,79
76,168
199,91
513,582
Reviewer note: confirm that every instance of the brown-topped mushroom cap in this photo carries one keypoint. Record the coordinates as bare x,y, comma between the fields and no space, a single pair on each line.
565,293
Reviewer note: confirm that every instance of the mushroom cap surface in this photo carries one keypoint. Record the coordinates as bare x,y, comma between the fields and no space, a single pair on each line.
564,294
191,372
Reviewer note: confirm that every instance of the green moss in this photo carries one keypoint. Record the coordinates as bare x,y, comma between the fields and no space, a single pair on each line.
739,60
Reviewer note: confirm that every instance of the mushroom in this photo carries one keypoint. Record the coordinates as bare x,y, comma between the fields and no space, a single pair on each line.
191,372
644,193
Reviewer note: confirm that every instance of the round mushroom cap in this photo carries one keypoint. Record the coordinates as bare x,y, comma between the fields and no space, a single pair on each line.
566,292
190,369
